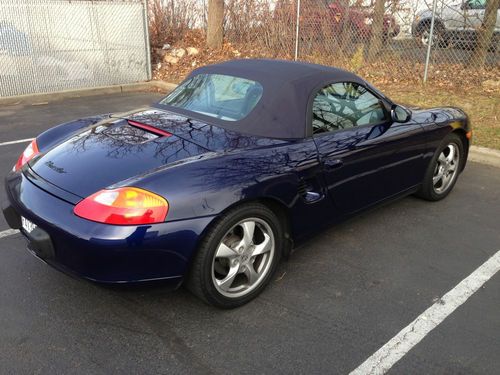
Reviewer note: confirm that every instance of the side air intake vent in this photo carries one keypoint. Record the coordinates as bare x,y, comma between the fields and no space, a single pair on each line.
306,191
303,188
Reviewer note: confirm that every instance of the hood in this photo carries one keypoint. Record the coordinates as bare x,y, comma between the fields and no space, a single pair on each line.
130,145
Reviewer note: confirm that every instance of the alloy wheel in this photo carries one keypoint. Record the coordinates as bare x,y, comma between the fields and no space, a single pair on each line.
446,168
243,258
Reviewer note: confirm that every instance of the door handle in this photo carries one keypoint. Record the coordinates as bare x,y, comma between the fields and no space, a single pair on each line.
333,163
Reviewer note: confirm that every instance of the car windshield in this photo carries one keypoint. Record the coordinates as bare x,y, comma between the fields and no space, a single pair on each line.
222,96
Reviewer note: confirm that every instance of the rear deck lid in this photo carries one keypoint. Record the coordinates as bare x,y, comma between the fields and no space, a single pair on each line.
109,153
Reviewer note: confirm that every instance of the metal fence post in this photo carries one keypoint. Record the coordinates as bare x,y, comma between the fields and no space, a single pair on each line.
147,41
429,44
297,23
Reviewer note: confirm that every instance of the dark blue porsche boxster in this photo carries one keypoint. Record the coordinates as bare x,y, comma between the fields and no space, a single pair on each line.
218,181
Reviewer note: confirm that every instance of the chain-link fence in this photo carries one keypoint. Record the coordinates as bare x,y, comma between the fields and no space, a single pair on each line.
54,45
383,40
408,39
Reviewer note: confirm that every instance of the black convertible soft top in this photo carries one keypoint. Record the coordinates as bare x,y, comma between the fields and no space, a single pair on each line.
288,86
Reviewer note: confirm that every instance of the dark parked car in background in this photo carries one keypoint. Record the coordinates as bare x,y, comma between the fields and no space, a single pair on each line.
338,20
359,20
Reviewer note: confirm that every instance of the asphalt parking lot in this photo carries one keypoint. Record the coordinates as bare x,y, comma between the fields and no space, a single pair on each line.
339,298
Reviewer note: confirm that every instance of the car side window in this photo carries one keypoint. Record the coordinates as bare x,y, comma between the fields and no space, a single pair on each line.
345,105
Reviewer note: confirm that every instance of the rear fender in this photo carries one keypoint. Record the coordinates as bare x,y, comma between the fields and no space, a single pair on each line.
59,133
210,185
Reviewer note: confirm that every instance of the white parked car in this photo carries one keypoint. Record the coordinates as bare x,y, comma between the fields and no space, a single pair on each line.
455,24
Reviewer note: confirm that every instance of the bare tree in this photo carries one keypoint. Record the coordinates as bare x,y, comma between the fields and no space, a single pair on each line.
377,29
485,33
215,23
170,20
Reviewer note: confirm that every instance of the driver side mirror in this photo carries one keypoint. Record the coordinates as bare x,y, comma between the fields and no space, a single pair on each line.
400,114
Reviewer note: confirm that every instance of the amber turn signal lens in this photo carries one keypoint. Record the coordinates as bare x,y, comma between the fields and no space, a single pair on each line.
123,206
469,134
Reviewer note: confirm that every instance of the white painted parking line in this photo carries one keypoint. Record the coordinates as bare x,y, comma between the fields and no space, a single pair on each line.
8,232
14,142
382,360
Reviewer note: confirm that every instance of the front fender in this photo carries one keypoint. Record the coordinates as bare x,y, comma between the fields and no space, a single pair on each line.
439,122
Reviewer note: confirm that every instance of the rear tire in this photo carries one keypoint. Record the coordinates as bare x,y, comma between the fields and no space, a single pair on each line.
443,170
237,257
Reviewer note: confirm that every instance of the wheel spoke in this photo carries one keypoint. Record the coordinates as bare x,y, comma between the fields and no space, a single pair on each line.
251,274
442,158
248,230
226,283
451,154
263,247
225,251
446,179
437,177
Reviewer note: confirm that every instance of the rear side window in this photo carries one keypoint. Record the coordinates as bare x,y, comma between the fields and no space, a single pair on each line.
222,96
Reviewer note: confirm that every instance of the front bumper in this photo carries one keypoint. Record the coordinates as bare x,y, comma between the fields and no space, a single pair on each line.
95,251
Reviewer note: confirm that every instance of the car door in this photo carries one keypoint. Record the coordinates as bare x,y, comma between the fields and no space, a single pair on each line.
365,156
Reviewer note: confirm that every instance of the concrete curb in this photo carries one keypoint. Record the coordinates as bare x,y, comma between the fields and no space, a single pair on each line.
484,155
103,90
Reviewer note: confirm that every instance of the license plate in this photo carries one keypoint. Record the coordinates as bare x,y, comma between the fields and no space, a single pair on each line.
28,226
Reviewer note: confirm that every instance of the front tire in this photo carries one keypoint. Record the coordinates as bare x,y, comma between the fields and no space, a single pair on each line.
237,256
443,170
